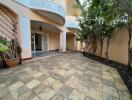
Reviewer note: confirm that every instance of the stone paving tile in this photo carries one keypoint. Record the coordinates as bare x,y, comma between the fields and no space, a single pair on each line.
27,96
109,97
7,97
4,92
65,91
110,90
32,83
77,95
36,98
70,76
57,97
19,92
46,94
39,88
15,86
109,83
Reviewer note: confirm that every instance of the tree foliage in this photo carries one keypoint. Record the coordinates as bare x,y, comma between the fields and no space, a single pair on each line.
101,19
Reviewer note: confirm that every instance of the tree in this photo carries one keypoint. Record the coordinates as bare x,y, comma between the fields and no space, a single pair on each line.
114,13
93,24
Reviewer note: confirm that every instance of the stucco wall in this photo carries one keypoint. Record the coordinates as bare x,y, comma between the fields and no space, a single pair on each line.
118,49
54,40
71,10
70,43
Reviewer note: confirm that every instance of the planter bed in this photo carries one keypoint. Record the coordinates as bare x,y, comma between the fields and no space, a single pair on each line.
125,74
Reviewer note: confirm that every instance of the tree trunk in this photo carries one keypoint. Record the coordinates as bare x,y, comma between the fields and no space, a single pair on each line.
129,46
101,43
107,49
94,45
81,46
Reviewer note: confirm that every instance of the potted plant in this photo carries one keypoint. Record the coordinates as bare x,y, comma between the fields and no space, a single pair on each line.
3,49
13,55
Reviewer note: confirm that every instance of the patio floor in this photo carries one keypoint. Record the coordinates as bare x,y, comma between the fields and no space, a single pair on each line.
69,76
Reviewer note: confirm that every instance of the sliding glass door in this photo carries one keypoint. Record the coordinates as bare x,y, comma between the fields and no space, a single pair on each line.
39,42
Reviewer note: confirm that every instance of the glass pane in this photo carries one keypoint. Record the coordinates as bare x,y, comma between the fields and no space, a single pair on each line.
32,38
38,42
32,46
45,46
45,38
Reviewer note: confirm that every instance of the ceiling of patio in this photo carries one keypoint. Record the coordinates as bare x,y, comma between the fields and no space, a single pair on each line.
52,16
45,26
70,34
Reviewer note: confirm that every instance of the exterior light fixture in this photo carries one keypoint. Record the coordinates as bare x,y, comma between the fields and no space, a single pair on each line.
40,27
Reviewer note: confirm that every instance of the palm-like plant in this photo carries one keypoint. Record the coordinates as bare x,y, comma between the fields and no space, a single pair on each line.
4,43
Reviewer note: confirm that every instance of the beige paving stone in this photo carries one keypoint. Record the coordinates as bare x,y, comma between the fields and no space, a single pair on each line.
2,86
16,86
49,81
77,95
108,77
95,93
97,80
27,96
110,90
14,93
75,71
4,92
126,96
121,86
8,97
57,97
38,74
35,98
81,88
72,72
89,72
72,82
46,94
61,72
28,70
106,96
32,83
57,85
115,74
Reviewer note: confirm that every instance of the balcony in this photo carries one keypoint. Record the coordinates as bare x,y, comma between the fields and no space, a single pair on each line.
72,23
49,9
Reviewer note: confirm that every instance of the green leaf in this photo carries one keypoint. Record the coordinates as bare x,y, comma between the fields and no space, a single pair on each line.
3,48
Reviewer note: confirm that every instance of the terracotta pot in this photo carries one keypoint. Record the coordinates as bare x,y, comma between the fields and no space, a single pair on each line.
12,62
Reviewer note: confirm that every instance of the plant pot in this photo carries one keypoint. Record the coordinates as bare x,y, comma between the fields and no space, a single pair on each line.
12,62
1,64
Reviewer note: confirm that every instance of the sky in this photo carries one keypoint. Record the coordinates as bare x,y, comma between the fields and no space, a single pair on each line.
81,1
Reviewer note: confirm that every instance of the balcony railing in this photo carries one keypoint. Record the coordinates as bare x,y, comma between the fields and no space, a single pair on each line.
71,22
45,5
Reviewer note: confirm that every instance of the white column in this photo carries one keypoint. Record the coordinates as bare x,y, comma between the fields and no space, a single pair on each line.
25,36
62,41
75,42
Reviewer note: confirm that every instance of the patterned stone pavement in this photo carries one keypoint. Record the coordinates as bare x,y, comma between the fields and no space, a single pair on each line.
70,76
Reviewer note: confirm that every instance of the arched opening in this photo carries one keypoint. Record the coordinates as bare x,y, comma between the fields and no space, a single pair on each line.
45,39
8,23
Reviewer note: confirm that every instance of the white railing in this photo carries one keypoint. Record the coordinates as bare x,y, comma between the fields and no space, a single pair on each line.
71,22
46,5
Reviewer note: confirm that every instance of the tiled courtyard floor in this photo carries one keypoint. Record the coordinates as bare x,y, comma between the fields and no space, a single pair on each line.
69,76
